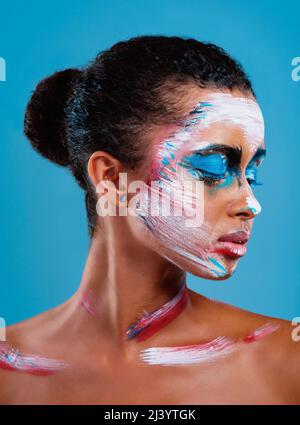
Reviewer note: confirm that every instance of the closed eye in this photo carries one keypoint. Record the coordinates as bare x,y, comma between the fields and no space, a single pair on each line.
251,176
251,171
213,164
208,178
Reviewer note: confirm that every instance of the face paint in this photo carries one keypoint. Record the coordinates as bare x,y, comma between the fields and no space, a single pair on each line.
216,169
14,360
87,302
189,354
189,154
253,205
149,323
211,167
216,349
152,322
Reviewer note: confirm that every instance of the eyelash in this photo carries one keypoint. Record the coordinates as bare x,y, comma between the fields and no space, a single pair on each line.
253,182
210,179
213,179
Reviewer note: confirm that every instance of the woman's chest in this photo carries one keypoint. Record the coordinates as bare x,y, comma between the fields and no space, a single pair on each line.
212,384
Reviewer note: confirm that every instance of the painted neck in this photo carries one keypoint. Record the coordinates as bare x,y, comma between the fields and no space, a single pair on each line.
150,323
116,291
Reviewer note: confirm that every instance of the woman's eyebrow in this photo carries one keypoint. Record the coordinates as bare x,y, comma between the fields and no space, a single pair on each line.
232,153
260,153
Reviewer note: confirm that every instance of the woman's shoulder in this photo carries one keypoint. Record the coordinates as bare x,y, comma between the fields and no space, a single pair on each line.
238,319
21,333
33,336
30,337
277,357
277,351
282,337
39,327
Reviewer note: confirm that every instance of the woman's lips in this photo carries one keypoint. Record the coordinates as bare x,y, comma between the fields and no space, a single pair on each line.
232,244
231,249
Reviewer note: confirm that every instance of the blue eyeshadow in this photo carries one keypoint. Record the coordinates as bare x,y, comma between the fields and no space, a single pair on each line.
251,174
215,164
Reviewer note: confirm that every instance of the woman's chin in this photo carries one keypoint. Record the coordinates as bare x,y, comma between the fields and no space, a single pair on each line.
211,274
214,267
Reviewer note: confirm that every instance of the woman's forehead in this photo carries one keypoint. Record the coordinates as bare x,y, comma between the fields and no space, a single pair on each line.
226,133
224,108
219,116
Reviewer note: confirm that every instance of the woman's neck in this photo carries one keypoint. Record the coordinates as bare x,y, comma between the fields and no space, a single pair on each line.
123,284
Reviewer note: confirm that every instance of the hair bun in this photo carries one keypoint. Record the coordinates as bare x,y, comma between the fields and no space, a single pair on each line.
44,122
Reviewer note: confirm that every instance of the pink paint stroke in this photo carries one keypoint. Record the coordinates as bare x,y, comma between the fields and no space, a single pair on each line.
13,360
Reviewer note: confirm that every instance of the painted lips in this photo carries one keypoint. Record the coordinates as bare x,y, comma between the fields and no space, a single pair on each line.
232,244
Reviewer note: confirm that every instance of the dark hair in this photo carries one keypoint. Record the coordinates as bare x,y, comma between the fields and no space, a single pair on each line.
109,104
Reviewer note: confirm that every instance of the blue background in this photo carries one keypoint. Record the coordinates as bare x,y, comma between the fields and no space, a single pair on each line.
44,240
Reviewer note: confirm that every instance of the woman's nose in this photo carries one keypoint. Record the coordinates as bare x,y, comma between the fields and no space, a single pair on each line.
245,205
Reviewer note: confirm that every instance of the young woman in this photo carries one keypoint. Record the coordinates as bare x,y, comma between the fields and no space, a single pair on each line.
177,119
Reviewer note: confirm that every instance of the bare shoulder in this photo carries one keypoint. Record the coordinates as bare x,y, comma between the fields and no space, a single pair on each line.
17,337
277,355
238,320
282,352
31,333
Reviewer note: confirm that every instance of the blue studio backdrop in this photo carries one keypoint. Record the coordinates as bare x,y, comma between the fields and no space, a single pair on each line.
44,238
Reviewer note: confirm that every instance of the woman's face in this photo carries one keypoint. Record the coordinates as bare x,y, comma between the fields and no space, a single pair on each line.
206,167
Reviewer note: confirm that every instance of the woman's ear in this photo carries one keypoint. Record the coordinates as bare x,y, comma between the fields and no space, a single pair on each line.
103,166
104,172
